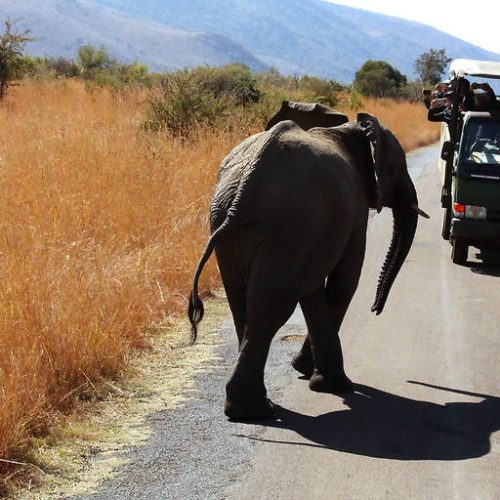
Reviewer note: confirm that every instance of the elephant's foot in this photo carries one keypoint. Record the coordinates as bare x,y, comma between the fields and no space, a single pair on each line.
303,364
249,409
338,385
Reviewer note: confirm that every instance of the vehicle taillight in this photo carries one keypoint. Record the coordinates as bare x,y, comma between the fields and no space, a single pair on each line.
458,209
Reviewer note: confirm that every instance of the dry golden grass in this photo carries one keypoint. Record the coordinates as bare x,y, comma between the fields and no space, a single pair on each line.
101,227
100,230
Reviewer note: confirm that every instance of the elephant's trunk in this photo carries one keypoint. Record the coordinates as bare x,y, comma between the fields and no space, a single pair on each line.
405,224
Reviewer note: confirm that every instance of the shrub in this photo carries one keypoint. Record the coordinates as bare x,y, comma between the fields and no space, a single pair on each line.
412,91
203,96
91,60
63,66
11,52
319,90
353,101
234,81
180,103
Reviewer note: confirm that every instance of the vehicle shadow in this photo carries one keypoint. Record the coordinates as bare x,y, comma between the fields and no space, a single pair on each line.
382,425
490,264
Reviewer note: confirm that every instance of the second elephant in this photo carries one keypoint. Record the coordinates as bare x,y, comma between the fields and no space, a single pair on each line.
307,115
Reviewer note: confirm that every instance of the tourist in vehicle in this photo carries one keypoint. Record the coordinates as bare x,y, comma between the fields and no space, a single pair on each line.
484,97
466,98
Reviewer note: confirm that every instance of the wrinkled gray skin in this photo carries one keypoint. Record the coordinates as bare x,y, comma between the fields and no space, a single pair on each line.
307,115
288,219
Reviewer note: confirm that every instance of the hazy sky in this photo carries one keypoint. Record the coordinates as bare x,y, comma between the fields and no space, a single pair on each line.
476,21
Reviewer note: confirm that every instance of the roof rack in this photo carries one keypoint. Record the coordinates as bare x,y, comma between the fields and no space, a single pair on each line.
471,67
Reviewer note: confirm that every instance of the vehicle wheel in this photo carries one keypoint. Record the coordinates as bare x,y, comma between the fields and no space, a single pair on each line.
459,252
446,225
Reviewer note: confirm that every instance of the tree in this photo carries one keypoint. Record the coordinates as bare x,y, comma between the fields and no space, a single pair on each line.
431,65
379,79
11,54
91,60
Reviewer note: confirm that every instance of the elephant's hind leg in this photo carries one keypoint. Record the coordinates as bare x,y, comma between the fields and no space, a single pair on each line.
329,374
236,290
246,395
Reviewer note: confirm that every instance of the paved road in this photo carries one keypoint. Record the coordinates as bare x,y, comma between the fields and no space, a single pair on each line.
423,422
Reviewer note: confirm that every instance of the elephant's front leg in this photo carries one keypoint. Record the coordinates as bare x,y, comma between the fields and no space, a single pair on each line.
324,312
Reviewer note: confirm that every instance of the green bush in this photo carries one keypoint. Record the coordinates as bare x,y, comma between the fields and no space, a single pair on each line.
95,66
319,90
91,60
63,67
204,96
98,68
180,103
272,78
231,82
412,91
354,101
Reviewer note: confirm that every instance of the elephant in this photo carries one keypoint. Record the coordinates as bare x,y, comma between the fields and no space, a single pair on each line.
307,115
288,224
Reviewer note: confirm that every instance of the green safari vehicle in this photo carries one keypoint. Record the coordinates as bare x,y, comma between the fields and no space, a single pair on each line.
470,164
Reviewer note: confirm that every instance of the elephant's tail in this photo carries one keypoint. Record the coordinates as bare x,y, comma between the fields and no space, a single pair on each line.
195,308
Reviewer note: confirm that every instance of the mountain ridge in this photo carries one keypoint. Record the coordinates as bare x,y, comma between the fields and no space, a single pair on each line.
296,37
80,22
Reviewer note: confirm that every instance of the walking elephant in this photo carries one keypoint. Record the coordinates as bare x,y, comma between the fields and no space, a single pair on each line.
288,221
307,115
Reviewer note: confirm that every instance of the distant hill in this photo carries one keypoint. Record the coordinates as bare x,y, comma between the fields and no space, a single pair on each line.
295,36
60,27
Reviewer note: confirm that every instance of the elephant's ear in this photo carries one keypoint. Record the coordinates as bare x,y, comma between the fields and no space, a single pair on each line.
371,128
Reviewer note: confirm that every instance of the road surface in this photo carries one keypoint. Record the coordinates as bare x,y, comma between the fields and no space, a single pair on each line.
423,422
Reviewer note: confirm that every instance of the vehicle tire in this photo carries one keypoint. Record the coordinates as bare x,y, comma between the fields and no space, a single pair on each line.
459,252
446,225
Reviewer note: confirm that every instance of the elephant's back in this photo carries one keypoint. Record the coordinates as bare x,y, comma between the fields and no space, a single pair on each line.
284,178
242,170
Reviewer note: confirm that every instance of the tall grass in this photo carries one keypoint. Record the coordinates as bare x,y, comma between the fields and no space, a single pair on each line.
100,229
101,225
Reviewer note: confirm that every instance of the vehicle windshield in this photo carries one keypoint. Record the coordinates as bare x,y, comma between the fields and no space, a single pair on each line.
481,142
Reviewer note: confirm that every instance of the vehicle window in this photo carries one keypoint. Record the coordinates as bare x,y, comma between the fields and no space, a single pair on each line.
482,143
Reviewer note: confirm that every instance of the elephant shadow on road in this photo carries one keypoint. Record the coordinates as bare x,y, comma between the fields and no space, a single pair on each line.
383,425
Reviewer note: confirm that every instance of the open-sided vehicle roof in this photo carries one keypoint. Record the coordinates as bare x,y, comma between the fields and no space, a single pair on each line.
470,67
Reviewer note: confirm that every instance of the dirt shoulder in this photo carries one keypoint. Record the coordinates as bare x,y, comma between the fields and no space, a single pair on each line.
87,448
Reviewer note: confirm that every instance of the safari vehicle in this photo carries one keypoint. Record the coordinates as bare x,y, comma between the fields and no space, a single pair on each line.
470,162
